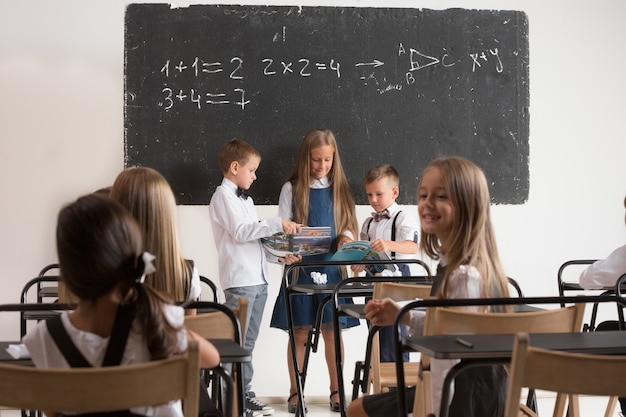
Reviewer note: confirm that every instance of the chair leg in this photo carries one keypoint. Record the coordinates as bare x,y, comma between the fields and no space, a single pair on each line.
559,405
357,381
573,407
423,397
610,407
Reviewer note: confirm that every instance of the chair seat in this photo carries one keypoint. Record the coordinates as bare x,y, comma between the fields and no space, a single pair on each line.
388,376
51,292
40,315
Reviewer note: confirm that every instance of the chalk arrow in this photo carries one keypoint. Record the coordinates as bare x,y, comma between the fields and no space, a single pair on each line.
376,63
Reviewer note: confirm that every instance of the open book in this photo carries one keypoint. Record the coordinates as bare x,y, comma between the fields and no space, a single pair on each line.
310,241
361,250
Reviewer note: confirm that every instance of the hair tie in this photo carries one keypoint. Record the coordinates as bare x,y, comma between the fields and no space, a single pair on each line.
145,266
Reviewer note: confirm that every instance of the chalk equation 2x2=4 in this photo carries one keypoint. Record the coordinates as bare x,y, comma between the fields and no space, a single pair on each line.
235,69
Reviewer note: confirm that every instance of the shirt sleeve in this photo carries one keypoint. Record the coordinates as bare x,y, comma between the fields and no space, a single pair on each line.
363,235
194,286
285,201
242,226
464,282
605,273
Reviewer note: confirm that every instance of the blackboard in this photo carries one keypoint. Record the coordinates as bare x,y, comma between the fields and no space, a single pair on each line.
396,85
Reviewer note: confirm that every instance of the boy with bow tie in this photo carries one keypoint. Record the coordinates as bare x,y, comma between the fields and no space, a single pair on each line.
388,230
237,232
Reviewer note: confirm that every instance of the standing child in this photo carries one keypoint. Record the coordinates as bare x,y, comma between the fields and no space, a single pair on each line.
149,198
388,230
316,194
237,232
102,262
456,229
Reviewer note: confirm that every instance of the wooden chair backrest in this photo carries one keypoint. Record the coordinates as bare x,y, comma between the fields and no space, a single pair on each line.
84,390
556,371
217,325
401,291
383,375
440,320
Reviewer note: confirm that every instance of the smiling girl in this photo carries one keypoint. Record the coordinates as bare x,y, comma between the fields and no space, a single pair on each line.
454,212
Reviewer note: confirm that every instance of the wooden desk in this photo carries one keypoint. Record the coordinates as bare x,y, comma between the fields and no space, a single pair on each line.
230,351
497,348
501,353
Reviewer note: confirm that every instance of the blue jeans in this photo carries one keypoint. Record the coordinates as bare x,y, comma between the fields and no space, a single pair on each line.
257,296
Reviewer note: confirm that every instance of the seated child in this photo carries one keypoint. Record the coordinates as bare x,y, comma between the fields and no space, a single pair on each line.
102,262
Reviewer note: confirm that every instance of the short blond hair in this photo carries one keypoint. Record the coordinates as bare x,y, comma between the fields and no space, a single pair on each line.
382,171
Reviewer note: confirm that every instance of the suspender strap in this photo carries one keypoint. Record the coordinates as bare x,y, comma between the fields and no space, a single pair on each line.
393,230
115,347
69,350
119,336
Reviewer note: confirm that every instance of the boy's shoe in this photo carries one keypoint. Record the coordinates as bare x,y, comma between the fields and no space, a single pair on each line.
250,413
253,404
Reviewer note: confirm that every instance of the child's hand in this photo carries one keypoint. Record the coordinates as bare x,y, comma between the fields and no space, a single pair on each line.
290,259
380,245
342,240
381,312
357,268
290,227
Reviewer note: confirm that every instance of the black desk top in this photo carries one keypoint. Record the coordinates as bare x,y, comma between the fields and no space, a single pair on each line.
6,357
358,288
501,345
229,352
352,310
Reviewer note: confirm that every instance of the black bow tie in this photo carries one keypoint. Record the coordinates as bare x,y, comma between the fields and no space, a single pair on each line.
382,215
242,193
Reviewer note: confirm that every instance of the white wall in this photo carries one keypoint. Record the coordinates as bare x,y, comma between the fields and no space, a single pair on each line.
61,135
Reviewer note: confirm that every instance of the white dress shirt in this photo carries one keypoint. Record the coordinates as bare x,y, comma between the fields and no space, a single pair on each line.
605,273
237,232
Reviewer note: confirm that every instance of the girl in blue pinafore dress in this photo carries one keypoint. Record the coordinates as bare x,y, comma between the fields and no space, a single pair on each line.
317,194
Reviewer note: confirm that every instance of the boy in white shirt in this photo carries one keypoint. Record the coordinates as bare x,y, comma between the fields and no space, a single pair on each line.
241,257
388,230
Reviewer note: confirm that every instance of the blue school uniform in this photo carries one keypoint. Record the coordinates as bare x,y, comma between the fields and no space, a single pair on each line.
304,307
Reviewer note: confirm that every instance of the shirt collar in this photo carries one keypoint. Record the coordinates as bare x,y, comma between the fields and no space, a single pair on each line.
229,184
321,183
392,209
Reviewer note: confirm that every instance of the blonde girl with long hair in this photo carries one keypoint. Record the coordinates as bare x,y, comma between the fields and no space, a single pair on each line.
316,193
456,229
150,199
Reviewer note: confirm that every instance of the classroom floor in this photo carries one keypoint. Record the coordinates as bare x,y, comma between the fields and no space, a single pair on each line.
589,407
318,407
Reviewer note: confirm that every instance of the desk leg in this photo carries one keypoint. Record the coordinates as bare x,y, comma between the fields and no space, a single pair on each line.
241,388
300,410
339,361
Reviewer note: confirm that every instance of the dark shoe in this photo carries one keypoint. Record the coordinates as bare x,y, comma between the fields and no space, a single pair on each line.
252,403
292,407
334,406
